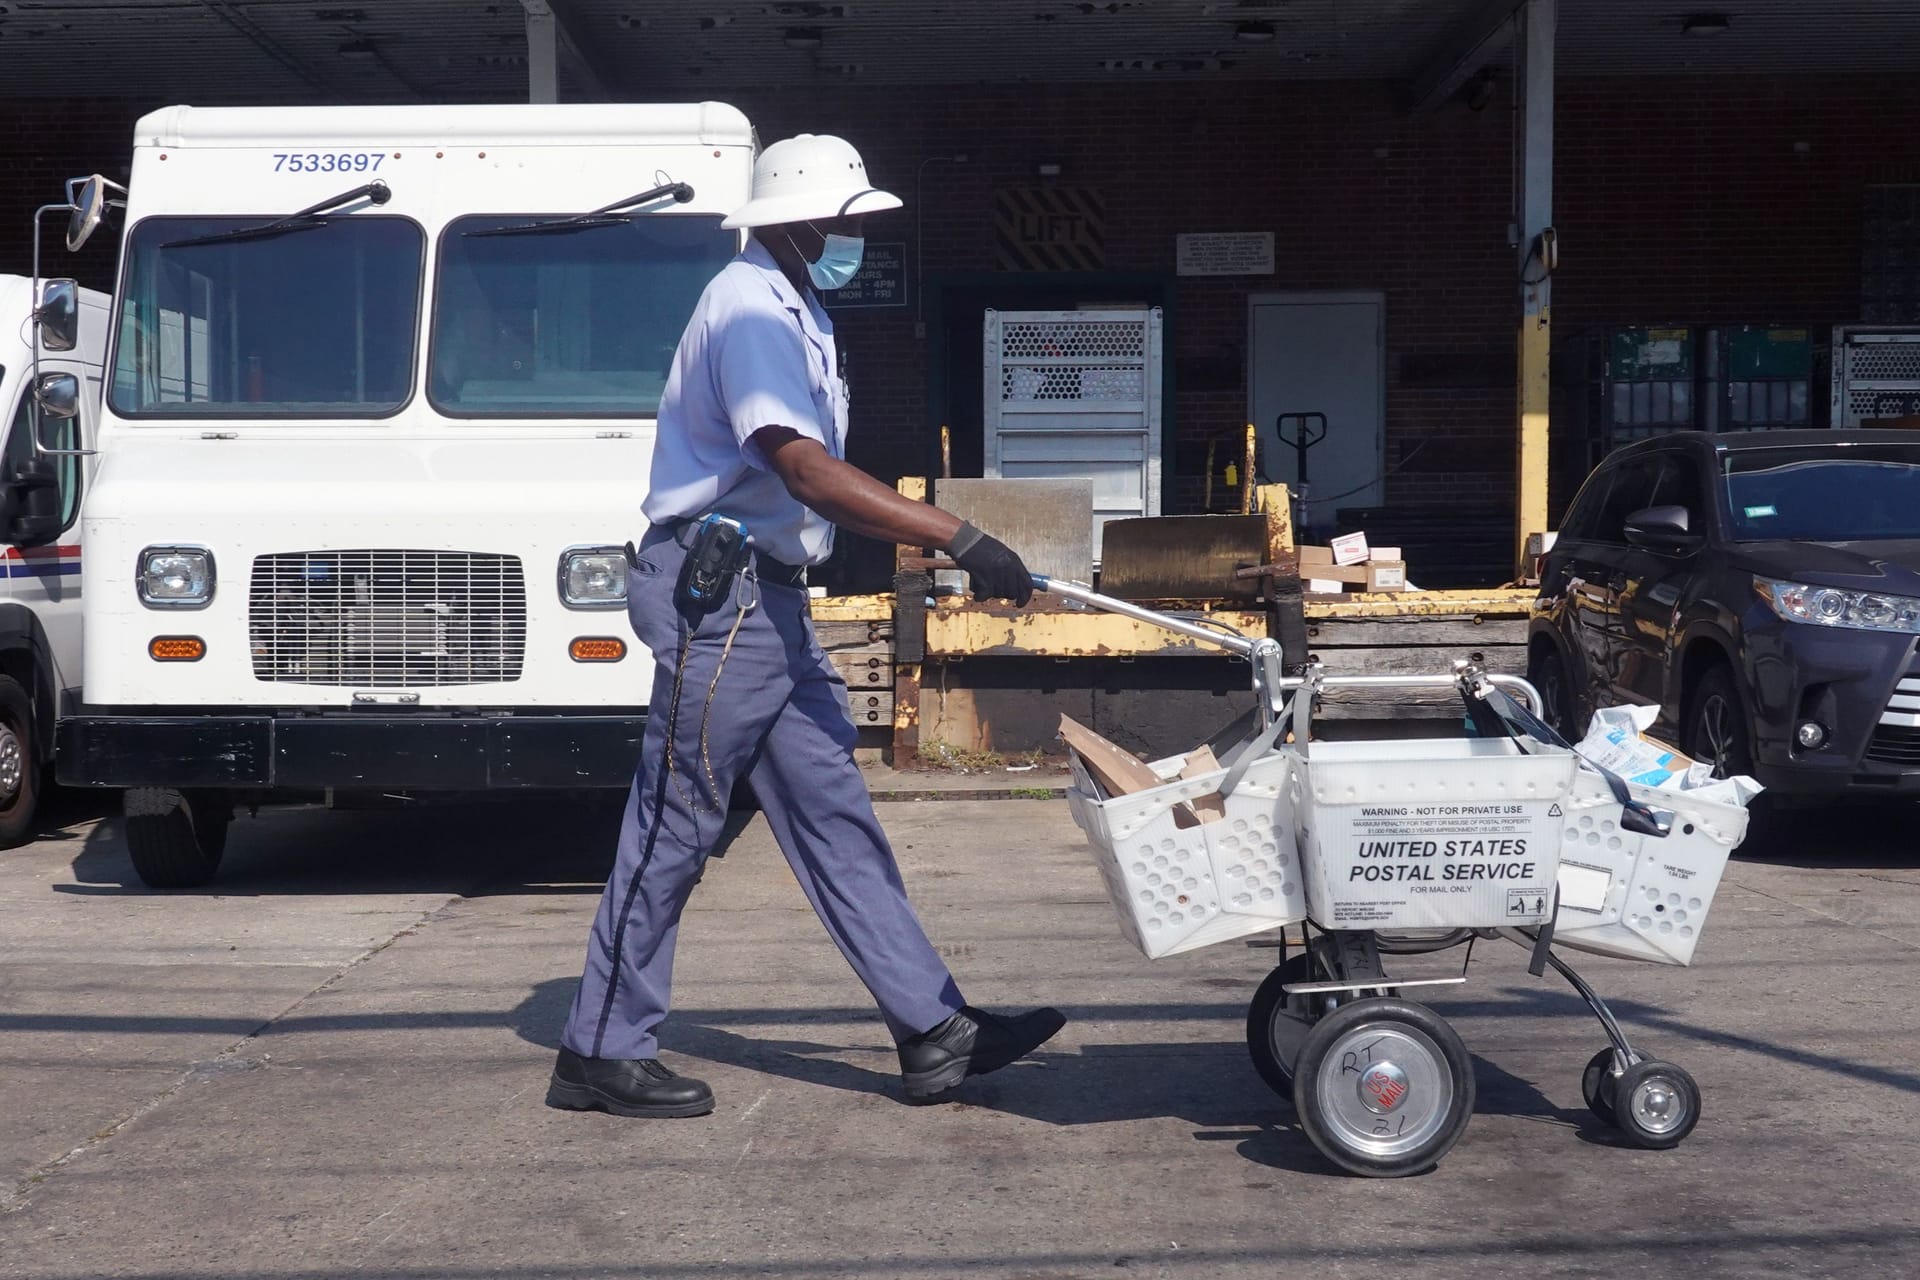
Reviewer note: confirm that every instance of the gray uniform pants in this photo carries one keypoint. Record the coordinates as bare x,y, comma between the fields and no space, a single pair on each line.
777,716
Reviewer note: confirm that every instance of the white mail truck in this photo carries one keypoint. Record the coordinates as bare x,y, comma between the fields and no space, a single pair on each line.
378,415
53,391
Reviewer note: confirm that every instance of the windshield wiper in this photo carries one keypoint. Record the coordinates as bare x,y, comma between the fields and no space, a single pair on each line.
302,220
607,215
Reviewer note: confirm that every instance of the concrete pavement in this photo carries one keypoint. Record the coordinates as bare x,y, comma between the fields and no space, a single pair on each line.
332,1063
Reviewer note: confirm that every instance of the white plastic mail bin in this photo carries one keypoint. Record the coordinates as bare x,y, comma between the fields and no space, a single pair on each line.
1431,833
1641,897
1181,887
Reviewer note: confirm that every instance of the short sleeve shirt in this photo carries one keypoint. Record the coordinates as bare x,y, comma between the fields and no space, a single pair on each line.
756,354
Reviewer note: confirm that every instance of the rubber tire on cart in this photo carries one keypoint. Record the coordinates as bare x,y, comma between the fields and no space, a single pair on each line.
1656,1104
175,840
19,764
1370,1061
1596,1085
1277,1024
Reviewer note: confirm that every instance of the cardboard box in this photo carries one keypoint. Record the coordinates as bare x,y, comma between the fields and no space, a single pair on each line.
1375,575
1350,548
1384,553
1312,555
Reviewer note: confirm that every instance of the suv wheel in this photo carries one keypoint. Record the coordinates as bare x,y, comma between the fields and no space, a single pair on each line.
1717,725
1547,672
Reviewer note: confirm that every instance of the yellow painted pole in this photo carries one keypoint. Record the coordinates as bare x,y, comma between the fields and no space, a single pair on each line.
1536,343
1246,473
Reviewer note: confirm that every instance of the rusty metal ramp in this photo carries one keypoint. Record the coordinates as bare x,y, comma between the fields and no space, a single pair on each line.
1182,557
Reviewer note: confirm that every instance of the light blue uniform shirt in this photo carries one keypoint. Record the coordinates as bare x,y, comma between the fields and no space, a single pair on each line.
756,354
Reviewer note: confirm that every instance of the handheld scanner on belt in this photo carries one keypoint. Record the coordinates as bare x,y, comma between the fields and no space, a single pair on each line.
717,554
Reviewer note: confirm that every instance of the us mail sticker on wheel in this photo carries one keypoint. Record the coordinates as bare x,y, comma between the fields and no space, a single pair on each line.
1435,865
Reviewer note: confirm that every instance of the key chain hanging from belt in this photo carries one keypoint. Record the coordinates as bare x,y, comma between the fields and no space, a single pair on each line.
721,552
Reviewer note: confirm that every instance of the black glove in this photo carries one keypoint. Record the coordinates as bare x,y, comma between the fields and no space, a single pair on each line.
993,570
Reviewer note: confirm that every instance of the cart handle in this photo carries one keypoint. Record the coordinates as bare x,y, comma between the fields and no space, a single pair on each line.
1248,648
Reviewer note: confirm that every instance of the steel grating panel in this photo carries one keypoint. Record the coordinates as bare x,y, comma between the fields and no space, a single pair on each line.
1062,360
387,619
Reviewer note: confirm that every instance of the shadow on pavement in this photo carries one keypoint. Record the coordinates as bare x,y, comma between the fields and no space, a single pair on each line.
549,843
1850,836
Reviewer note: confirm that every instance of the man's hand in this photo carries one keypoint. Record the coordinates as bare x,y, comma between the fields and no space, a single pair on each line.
993,570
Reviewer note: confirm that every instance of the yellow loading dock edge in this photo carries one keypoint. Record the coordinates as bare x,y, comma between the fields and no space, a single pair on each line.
1383,633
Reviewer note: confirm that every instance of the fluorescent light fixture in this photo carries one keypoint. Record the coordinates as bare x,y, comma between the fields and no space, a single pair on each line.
1705,24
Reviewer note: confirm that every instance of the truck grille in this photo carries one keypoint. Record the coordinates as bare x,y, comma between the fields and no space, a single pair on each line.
384,619
1896,739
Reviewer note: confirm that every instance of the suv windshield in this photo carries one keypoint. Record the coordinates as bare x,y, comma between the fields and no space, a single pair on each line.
1860,494
575,322
317,322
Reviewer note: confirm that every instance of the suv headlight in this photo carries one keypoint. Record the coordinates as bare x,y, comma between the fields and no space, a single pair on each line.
176,577
593,578
1833,607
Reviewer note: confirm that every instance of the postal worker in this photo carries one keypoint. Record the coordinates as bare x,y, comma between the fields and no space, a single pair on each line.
752,445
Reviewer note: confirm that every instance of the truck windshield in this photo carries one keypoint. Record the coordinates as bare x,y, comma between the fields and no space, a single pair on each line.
575,322
316,323
1862,493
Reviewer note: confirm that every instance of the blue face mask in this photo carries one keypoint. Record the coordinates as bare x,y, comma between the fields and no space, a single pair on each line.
838,262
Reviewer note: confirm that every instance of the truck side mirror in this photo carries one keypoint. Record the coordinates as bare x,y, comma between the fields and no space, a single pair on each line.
58,395
32,504
88,208
56,314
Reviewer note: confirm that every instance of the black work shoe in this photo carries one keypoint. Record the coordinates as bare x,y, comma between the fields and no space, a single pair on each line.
625,1087
971,1043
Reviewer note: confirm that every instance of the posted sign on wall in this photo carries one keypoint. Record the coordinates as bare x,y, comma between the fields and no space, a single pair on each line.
880,282
1225,253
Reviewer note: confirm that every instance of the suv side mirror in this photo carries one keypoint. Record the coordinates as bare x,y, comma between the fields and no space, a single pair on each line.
57,315
1661,529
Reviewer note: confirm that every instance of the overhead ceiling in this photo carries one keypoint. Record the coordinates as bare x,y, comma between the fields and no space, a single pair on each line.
397,50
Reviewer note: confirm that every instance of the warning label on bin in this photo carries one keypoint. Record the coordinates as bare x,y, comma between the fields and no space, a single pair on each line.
1456,865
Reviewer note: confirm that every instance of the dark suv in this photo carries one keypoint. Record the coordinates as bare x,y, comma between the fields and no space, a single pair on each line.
1763,589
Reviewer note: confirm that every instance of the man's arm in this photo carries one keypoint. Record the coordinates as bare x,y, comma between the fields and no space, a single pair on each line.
852,499
848,496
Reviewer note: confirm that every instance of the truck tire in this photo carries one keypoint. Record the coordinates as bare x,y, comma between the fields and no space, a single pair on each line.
175,841
19,764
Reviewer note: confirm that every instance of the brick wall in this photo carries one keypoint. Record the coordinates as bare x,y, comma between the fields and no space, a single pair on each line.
1676,200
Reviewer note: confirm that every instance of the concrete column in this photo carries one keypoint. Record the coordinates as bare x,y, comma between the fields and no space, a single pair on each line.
543,52
1535,81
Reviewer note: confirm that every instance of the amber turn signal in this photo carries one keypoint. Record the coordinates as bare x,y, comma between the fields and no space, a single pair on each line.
176,648
597,649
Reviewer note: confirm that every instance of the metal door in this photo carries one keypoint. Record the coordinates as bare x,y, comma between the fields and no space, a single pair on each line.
1321,353
1077,393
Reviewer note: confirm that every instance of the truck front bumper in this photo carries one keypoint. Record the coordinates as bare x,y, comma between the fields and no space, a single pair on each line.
243,751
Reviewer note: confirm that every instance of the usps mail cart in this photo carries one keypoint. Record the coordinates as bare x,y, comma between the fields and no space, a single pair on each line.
1400,847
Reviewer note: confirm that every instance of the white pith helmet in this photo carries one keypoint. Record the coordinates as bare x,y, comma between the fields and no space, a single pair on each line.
807,177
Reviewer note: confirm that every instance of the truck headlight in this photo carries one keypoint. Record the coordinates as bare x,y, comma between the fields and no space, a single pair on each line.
1833,607
176,577
593,578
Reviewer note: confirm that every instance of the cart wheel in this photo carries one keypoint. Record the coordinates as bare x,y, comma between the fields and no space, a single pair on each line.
1596,1085
1656,1104
1277,1023
1384,1087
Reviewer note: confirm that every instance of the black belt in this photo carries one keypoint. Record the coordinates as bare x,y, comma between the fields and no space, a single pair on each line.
769,570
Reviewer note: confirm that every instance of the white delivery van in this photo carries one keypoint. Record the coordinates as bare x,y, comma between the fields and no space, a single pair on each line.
39,520
378,418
